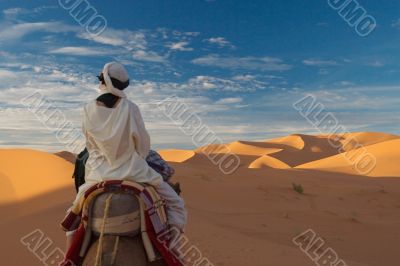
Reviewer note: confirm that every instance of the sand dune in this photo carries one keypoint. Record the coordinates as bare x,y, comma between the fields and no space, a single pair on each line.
266,161
285,149
7,193
294,141
246,148
386,153
248,217
177,156
297,149
350,140
31,173
312,148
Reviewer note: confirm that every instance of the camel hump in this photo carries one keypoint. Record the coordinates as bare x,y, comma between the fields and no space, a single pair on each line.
130,252
123,218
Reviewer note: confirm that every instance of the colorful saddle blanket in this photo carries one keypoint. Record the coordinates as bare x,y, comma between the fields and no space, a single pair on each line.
155,219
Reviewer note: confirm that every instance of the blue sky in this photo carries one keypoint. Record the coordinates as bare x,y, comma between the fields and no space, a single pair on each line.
239,64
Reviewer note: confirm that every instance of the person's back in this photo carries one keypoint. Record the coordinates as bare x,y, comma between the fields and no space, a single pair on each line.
118,143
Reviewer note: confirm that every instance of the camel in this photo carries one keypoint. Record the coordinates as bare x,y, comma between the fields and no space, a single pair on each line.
121,243
130,253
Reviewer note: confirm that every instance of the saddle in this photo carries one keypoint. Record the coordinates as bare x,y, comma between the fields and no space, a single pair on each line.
144,215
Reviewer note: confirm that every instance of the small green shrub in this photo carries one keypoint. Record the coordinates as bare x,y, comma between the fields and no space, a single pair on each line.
298,188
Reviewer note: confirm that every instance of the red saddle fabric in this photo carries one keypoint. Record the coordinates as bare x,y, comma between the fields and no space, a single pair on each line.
155,217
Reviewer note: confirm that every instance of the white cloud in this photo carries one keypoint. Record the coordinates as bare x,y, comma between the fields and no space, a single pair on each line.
328,96
346,83
4,54
251,63
79,51
13,11
204,82
131,40
396,24
37,69
103,38
220,41
229,100
148,56
190,34
17,31
317,62
220,84
194,86
180,46
244,77
143,45
323,71
146,87
343,99
7,74
132,44
376,63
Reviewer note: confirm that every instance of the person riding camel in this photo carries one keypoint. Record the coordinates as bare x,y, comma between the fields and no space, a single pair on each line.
118,143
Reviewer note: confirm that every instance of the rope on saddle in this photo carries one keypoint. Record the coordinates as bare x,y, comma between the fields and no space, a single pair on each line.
114,254
99,254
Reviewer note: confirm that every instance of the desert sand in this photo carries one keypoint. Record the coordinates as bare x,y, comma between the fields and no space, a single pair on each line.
247,218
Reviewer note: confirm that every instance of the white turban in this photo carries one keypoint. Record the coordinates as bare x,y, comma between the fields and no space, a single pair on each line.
116,71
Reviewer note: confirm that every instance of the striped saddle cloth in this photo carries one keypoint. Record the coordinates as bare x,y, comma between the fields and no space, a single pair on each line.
153,225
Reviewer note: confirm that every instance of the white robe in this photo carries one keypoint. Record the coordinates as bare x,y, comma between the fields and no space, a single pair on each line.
118,144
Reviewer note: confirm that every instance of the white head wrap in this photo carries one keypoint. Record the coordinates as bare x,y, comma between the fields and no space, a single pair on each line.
117,71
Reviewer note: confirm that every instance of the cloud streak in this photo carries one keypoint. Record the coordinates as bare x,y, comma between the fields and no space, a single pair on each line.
320,63
250,63
180,46
80,51
220,41
17,31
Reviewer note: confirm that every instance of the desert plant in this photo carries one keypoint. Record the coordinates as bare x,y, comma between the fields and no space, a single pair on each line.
298,188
